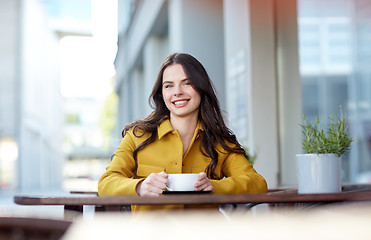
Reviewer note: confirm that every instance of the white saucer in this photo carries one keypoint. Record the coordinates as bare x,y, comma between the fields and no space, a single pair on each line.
185,192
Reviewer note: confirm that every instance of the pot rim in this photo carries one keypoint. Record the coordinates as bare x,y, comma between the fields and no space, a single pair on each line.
317,154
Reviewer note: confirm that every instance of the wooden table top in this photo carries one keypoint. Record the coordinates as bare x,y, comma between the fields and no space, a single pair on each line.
182,199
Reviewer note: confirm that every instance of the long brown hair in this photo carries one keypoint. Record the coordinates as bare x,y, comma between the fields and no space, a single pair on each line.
210,116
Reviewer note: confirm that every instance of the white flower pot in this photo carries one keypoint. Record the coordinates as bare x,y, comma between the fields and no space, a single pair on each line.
318,173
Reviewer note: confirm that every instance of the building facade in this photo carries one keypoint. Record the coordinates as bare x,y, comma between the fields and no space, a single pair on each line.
30,102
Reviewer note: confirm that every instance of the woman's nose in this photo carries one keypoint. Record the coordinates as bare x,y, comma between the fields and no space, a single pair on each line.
178,90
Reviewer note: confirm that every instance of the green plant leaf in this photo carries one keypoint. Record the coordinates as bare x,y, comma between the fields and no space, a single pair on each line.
334,140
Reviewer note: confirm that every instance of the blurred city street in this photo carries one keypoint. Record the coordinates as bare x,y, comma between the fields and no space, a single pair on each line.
57,107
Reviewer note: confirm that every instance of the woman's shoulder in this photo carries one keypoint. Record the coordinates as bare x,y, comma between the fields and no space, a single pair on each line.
227,145
143,128
136,131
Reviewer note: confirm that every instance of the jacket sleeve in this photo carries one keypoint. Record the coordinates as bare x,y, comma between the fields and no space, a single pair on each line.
240,177
118,178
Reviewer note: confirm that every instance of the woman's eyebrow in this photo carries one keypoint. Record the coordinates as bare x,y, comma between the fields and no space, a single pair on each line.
165,82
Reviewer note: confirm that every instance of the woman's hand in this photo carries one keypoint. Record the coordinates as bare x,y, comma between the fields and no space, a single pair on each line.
153,185
203,183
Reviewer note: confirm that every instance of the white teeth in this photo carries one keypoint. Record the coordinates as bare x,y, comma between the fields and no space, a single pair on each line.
179,102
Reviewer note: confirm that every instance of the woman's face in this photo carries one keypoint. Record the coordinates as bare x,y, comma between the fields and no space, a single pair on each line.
180,97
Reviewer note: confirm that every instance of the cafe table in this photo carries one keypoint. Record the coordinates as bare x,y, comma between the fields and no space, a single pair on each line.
279,197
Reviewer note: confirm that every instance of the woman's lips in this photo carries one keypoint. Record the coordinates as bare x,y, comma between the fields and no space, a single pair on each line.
180,103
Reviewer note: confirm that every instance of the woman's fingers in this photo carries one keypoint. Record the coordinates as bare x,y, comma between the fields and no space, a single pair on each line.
158,180
153,185
203,183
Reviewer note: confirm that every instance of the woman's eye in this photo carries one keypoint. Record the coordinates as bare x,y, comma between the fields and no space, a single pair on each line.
187,83
168,86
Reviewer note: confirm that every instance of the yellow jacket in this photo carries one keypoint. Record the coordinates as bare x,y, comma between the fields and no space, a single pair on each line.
166,154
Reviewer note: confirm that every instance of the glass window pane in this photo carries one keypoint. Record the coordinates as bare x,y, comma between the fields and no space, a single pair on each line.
335,55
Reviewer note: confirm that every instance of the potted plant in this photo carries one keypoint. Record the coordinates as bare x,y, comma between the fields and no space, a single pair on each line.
319,169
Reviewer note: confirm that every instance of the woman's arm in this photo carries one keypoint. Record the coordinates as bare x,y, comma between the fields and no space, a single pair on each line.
240,177
118,178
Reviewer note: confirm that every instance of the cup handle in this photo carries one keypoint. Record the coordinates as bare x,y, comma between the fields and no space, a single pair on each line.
167,187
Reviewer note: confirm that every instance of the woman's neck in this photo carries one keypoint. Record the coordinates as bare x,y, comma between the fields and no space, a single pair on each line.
186,127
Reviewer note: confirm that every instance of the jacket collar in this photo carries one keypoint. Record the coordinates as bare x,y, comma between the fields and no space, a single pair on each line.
165,128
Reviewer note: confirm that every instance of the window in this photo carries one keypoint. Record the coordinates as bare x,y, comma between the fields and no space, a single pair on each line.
335,55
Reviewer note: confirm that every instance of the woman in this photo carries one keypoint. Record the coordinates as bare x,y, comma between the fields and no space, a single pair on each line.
185,133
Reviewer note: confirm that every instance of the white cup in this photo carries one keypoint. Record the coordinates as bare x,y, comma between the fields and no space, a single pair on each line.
182,181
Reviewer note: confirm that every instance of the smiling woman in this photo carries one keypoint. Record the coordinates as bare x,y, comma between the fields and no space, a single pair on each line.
180,97
185,133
